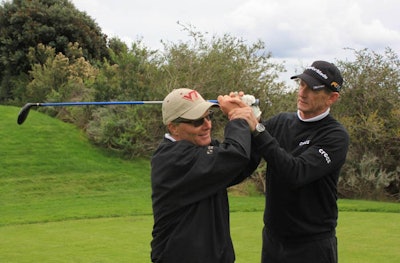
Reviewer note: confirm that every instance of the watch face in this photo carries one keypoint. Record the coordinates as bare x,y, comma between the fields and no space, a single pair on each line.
260,127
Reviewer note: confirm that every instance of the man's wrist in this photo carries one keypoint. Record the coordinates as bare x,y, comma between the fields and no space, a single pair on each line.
260,128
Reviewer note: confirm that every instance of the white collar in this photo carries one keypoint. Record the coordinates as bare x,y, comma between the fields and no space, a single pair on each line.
316,118
169,137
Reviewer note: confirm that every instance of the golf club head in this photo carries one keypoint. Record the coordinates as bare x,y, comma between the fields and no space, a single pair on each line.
23,114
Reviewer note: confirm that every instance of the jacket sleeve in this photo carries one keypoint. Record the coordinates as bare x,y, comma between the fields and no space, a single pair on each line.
251,166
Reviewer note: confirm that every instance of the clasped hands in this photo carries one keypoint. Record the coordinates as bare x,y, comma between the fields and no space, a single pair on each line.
235,107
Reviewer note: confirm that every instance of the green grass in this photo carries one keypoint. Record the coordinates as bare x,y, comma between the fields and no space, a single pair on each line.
122,239
363,238
369,237
50,172
64,200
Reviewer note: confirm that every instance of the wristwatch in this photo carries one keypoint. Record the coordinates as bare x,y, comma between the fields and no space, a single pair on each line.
259,129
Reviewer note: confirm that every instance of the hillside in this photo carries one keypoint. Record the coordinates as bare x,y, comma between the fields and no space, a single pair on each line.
49,172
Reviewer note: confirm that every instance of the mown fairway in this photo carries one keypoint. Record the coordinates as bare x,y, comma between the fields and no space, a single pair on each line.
63,200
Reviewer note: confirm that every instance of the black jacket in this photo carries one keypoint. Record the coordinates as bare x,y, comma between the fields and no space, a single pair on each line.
303,164
190,202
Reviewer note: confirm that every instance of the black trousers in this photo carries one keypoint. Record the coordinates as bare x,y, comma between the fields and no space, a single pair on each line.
316,251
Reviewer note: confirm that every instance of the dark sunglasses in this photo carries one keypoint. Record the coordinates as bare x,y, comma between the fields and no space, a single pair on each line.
198,122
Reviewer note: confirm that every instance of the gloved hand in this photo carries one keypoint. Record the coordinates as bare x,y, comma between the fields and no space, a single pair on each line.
251,101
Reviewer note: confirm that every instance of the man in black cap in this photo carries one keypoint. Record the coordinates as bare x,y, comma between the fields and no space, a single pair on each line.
304,151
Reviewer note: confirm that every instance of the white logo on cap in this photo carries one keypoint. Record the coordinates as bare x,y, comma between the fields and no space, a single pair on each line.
319,72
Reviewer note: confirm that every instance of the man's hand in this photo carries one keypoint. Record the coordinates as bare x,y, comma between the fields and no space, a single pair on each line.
246,113
235,108
248,99
228,103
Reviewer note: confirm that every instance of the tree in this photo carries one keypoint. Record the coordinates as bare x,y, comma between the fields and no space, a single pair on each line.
130,74
218,65
369,108
59,78
53,23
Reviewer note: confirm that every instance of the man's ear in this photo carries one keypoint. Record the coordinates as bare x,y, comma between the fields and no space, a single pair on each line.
333,97
173,129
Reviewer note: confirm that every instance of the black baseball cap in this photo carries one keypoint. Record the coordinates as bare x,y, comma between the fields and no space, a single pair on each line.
321,74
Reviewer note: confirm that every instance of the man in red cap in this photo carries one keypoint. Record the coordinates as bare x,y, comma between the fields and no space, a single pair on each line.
189,175
304,151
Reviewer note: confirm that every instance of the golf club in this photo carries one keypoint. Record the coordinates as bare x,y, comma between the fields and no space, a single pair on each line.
23,114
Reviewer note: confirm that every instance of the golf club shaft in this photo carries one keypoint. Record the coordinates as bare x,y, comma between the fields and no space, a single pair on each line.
96,103
23,114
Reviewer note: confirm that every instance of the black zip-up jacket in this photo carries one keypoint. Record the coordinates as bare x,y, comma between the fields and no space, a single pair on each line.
190,202
303,164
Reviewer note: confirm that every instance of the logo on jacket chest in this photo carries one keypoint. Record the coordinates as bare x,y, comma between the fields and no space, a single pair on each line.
306,142
210,149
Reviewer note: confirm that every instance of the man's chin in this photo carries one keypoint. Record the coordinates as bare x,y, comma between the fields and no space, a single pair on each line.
205,141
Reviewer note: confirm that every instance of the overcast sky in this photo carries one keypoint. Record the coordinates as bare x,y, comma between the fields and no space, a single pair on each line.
294,31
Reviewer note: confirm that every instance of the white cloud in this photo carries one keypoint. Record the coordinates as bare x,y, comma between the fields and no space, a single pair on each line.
295,31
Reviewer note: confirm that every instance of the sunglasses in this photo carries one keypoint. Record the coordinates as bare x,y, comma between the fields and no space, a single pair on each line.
198,122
